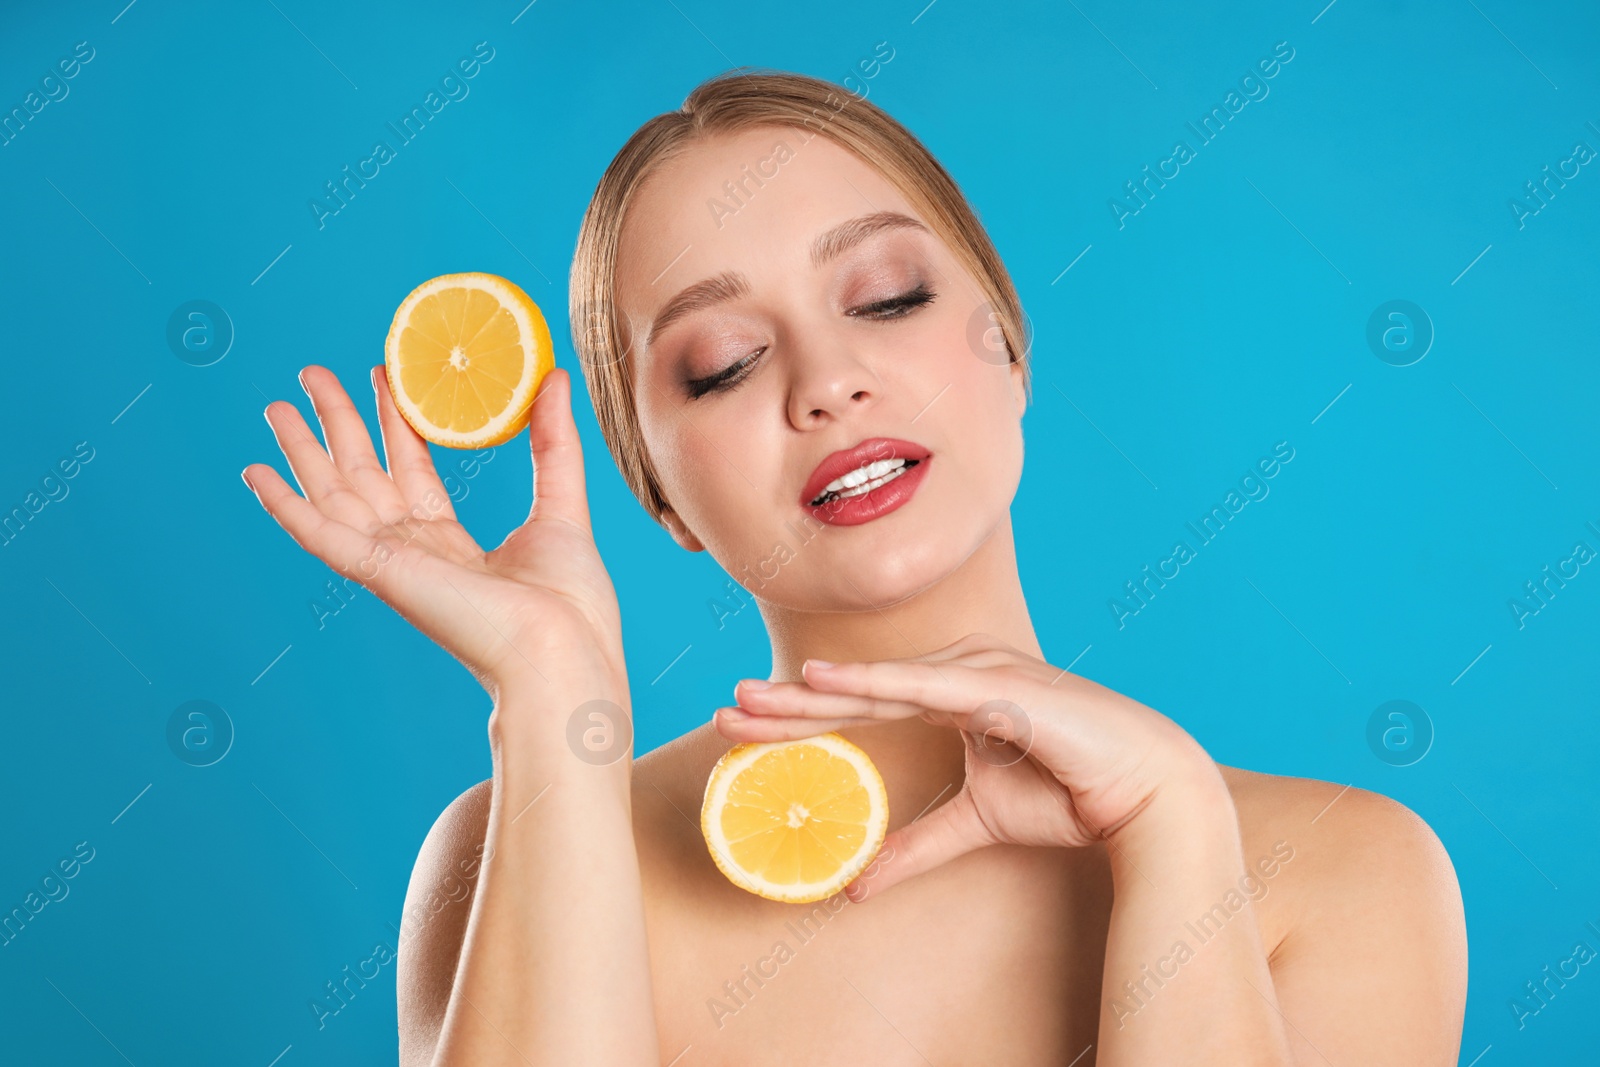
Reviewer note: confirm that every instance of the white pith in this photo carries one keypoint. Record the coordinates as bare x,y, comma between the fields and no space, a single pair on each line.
721,783
530,332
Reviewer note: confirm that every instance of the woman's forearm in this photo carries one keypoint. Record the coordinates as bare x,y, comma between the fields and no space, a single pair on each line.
1186,976
554,966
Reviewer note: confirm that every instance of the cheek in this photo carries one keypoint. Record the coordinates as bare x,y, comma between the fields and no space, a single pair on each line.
715,473
976,398
957,347
976,420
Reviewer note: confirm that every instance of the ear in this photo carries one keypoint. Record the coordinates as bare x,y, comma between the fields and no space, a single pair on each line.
681,533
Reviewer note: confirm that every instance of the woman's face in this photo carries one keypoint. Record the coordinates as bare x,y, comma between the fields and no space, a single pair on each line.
883,339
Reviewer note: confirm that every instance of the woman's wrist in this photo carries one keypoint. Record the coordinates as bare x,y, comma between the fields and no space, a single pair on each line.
567,731
1189,823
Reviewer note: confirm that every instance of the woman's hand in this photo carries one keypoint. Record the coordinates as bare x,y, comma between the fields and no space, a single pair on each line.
540,608
1052,758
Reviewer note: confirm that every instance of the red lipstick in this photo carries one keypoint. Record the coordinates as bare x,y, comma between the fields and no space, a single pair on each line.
868,481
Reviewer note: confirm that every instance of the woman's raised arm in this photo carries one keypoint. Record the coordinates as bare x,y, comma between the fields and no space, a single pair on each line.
553,963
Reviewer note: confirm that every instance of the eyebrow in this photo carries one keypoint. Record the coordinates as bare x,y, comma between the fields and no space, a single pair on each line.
730,285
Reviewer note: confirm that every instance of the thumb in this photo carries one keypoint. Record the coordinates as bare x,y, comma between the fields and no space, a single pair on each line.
558,485
929,841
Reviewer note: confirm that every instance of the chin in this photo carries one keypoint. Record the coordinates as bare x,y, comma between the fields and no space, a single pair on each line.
856,573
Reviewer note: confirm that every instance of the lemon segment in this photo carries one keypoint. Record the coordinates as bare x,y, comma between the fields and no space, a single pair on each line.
464,357
794,821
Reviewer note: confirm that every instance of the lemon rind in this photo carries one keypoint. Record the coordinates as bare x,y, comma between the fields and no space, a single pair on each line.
532,327
738,759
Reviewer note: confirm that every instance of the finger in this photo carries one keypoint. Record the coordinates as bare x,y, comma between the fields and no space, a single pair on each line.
410,463
759,728
350,443
950,830
323,484
952,688
559,491
801,701
336,544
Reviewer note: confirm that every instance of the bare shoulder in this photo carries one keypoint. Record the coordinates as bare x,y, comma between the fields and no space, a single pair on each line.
445,876
1340,832
1361,908
434,921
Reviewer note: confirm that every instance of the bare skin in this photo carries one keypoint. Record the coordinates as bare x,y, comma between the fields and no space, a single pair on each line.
995,957
564,913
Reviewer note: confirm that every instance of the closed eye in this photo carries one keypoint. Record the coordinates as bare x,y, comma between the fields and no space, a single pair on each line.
723,379
895,307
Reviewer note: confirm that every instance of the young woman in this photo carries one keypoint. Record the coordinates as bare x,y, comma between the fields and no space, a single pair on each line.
776,285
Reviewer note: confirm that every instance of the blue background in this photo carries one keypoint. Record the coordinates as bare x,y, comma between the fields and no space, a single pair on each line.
1224,317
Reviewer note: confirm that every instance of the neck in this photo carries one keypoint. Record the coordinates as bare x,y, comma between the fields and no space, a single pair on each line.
984,595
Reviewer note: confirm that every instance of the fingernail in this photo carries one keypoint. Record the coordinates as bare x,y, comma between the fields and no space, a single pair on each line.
246,478
755,683
820,664
733,714
302,377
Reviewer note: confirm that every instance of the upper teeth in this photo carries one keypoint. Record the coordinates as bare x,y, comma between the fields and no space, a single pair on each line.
858,480
863,474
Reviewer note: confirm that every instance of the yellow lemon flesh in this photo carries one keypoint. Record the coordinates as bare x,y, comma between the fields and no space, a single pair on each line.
794,821
464,357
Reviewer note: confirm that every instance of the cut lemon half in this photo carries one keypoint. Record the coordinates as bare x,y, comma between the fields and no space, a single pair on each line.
464,357
794,820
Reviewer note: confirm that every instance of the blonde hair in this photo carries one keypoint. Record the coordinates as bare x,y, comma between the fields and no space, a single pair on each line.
731,101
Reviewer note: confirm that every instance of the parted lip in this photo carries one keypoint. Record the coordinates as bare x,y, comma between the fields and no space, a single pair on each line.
843,462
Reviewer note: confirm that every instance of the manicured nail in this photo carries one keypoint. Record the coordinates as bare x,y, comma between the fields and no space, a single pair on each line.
820,664
246,478
755,683
733,714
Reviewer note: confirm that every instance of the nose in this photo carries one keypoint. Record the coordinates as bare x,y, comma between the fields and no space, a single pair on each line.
831,382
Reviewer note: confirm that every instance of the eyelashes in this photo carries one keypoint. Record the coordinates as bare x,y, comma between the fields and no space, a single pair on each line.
724,379
898,306
895,307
